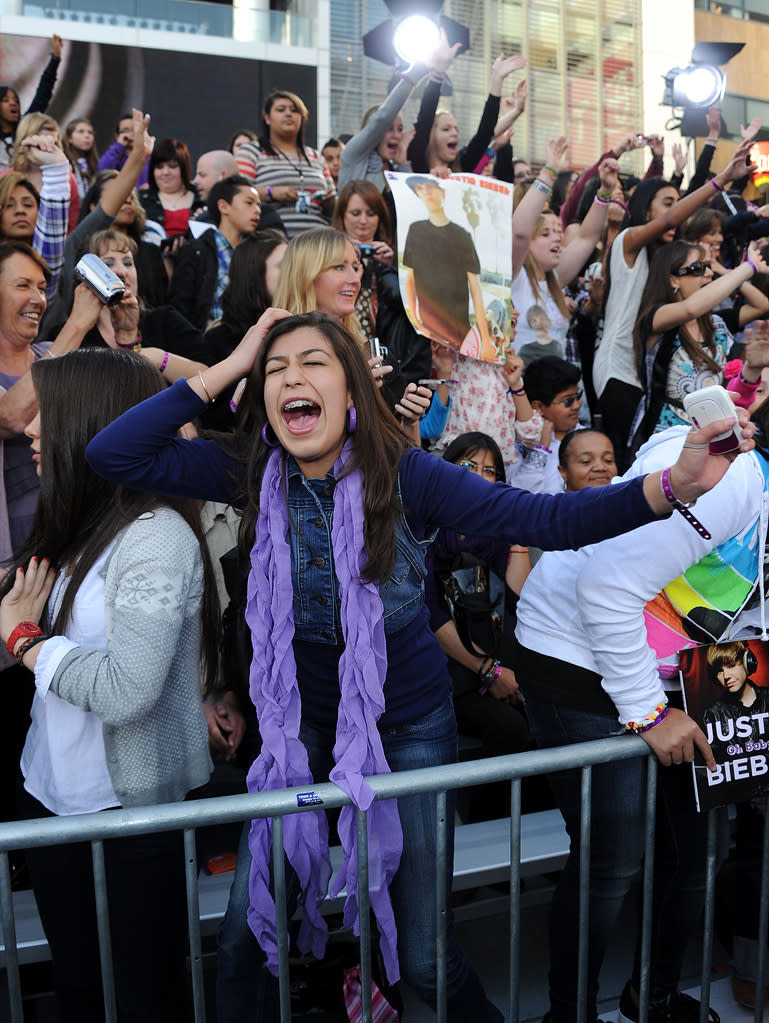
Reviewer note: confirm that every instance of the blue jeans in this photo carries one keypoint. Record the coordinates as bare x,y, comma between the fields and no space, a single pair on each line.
246,991
616,846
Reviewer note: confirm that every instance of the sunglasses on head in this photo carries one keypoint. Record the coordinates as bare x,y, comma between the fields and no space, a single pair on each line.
696,269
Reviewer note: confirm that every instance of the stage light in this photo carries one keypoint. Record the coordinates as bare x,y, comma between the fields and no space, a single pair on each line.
416,37
701,85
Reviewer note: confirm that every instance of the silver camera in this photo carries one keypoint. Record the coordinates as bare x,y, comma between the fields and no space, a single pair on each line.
102,281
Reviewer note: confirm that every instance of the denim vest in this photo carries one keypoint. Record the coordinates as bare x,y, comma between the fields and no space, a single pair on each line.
316,596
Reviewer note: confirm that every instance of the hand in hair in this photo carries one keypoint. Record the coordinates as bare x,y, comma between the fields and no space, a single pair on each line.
42,151
244,356
27,598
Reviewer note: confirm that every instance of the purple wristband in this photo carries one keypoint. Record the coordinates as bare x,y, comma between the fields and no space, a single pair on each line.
751,263
681,508
164,363
716,185
652,724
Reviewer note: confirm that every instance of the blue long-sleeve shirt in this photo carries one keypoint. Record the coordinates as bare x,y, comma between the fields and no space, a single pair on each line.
141,449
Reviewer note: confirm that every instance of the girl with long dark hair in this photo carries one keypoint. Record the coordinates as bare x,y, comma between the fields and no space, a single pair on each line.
681,345
338,511
104,605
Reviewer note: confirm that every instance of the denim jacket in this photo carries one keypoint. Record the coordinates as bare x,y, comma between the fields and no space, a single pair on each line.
316,598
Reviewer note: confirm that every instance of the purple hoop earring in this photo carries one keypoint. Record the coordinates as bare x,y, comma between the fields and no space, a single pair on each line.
352,419
266,439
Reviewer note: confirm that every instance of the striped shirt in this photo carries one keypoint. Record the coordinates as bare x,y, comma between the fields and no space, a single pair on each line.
309,175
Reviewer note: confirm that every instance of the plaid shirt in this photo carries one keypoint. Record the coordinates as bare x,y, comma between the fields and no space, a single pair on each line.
224,254
52,217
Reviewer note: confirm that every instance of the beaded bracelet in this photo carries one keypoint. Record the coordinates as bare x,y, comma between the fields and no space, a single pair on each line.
680,507
27,645
490,677
656,717
541,447
164,363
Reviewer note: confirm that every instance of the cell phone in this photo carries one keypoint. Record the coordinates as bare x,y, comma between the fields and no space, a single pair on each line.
102,281
711,403
365,250
644,140
433,383
378,351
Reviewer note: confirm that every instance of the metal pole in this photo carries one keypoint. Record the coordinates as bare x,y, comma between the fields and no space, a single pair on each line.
9,938
648,887
710,915
440,908
193,925
279,877
102,925
515,898
584,891
361,821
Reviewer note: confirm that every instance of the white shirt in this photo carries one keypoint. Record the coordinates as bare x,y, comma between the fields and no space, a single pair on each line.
63,762
614,358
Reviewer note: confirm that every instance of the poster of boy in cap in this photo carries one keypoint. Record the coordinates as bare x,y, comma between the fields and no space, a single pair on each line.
453,268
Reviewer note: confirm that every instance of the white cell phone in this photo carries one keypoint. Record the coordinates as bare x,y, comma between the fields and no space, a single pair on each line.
711,403
433,383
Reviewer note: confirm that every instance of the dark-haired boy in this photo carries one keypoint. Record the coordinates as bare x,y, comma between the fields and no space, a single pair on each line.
202,265
553,387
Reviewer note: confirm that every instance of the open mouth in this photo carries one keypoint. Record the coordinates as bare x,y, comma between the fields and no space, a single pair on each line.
300,415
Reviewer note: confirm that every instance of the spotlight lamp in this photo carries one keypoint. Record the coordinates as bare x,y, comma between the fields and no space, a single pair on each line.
413,32
700,85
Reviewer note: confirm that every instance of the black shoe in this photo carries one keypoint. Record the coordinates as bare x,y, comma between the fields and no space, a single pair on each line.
677,1008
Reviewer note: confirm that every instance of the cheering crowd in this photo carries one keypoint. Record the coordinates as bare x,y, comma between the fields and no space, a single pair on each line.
253,519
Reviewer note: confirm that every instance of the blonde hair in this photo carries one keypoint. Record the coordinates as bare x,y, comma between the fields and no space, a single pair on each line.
112,236
531,266
31,124
306,258
430,150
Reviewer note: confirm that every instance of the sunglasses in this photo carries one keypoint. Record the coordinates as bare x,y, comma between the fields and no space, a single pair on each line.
487,470
569,400
696,269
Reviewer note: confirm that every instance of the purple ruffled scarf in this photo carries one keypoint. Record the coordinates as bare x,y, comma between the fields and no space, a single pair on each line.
358,749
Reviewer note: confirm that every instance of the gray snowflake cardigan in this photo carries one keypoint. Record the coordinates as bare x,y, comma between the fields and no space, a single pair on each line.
145,687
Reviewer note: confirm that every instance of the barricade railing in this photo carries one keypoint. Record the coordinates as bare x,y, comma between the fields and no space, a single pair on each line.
192,815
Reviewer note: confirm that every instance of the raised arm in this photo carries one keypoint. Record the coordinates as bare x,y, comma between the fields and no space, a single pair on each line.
18,405
705,299
527,212
637,238
47,81
578,251
117,190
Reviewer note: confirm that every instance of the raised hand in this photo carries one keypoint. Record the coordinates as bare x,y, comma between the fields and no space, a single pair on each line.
679,157
42,151
440,59
558,154
608,172
502,67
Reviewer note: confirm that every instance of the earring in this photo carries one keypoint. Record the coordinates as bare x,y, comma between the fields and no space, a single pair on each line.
266,439
352,419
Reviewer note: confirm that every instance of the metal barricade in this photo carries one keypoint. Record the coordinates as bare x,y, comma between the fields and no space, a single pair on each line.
191,815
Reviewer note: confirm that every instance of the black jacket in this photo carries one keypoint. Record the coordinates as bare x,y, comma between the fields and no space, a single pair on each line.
193,285
409,352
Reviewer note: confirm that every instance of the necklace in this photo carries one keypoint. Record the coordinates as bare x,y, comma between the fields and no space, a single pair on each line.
135,346
297,166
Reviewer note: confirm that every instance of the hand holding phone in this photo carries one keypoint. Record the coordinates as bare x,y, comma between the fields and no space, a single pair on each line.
709,404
